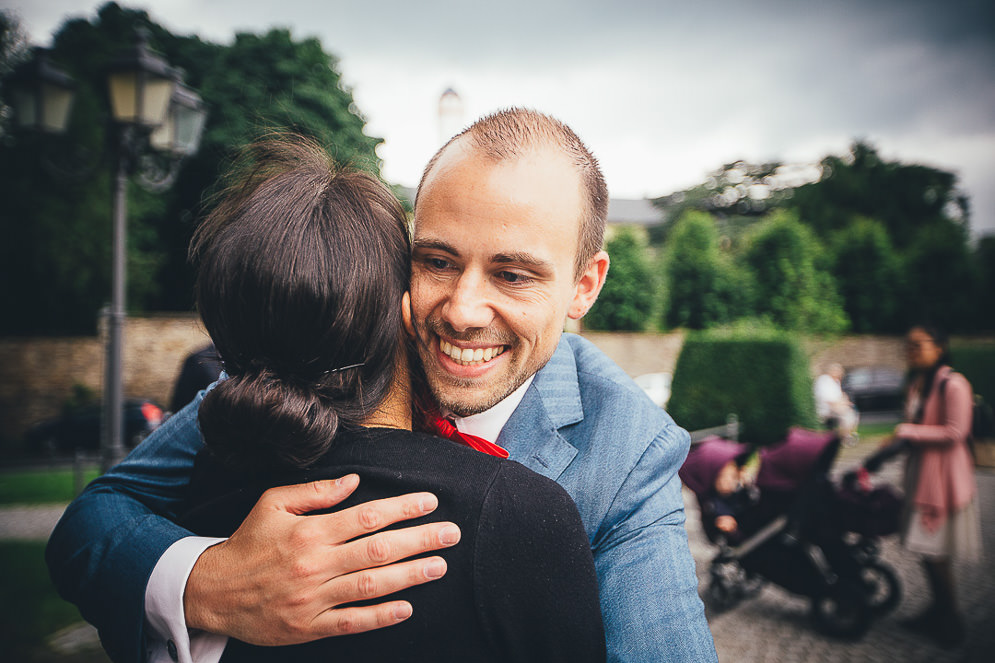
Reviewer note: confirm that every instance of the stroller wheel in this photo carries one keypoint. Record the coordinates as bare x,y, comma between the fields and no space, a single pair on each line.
882,589
752,586
721,596
842,611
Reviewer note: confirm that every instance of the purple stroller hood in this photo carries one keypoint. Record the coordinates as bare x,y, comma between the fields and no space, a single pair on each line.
787,465
704,462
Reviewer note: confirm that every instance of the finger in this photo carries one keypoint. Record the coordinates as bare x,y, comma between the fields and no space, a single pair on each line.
389,547
343,621
375,515
303,498
375,583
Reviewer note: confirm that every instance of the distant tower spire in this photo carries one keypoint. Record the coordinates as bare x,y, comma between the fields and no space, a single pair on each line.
450,115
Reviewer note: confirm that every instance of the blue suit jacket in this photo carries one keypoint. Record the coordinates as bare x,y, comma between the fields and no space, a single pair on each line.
582,422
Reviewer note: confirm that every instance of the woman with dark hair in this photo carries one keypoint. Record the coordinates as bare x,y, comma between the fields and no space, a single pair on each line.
941,517
303,273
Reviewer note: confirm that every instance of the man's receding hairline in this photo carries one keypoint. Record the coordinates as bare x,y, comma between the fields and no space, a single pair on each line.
465,143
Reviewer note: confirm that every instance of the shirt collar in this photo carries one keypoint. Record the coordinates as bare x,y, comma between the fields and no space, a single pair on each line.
488,424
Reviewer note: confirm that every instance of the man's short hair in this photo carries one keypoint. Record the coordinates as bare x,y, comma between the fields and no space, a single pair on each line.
512,132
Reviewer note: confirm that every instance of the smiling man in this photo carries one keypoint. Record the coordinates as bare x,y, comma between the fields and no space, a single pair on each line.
509,222
495,269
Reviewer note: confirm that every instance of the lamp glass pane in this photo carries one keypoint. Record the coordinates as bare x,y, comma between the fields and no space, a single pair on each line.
189,127
158,92
58,103
163,138
123,97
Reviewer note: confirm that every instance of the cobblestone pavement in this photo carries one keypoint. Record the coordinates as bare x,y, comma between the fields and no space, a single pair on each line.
774,626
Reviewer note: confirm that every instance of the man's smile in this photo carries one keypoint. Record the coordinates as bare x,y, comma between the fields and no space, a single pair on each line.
469,356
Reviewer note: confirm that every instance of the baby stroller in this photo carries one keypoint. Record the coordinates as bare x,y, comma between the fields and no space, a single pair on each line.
800,531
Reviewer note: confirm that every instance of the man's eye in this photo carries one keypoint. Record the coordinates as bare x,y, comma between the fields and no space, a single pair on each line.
437,263
513,277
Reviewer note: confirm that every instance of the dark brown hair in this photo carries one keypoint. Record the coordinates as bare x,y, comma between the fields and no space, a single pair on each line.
509,133
302,267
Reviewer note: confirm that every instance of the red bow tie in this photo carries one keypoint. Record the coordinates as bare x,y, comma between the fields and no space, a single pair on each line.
445,428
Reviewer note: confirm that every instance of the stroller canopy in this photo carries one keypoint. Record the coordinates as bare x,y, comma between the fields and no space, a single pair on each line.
704,462
803,453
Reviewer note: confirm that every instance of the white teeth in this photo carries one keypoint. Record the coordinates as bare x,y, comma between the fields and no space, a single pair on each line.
468,356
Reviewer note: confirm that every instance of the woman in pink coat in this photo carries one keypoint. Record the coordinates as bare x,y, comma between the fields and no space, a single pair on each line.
941,517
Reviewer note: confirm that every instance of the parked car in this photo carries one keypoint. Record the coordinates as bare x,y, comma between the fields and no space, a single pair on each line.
656,386
79,428
874,388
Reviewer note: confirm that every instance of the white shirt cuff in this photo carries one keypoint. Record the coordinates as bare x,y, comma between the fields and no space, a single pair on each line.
169,640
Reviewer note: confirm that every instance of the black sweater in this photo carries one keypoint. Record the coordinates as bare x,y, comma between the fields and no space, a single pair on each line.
521,584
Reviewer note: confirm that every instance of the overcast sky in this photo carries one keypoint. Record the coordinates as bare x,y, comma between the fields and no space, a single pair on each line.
663,92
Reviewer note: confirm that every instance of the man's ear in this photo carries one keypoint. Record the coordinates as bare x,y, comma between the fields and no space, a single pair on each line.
406,313
589,286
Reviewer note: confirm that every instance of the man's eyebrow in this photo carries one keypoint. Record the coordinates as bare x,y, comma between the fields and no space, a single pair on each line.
514,258
523,258
436,244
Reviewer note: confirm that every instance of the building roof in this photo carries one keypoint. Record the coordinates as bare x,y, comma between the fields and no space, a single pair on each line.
629,211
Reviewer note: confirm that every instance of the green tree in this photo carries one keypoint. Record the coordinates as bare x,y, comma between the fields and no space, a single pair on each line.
984,261
904,197
625,302
795,289
57,227
13,50
736,196
703,288
868,273
942,278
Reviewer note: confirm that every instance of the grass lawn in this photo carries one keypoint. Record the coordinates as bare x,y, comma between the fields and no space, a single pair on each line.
876,430
30,609
40,486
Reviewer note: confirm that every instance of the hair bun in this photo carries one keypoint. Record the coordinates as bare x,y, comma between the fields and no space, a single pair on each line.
256,420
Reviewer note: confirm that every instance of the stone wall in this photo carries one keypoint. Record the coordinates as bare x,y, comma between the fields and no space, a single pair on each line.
654,353
37,374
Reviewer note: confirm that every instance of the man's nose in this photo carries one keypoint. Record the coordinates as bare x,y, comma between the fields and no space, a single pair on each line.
468,305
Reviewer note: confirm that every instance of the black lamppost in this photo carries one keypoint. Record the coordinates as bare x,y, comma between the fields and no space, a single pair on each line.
157,122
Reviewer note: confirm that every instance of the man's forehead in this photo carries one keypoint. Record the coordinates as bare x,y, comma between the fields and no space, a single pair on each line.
461,157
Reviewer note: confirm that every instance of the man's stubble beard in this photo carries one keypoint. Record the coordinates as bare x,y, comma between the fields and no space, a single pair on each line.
446,388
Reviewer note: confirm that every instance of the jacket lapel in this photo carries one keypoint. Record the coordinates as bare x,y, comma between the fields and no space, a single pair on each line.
552,401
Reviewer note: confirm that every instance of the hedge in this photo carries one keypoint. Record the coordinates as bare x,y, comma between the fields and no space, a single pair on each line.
763,377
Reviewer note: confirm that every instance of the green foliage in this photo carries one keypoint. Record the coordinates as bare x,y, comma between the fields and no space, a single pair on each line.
41,486
57,227
760,375
984,264
868,272
30,608
625,302
794,287
735,195
977,364
703,287
941,276
891,227
904,197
